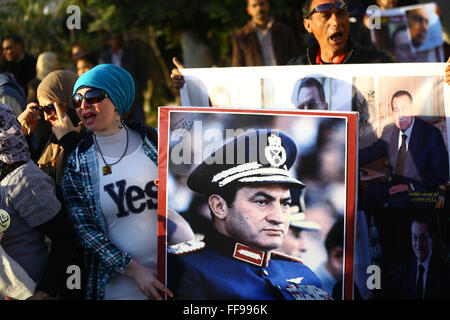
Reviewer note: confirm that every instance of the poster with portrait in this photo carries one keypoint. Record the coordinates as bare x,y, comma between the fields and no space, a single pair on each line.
218,167
406,254
410,33
368,89
404,152
291,87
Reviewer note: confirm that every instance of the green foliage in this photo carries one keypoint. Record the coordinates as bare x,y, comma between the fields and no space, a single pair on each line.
212,21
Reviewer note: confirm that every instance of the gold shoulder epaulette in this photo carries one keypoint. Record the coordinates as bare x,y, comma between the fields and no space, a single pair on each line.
186,247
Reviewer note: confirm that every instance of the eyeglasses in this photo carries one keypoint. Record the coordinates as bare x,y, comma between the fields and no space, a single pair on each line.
48,109
327,7
91,96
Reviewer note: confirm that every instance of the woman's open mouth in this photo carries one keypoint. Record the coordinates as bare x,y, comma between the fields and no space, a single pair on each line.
88,118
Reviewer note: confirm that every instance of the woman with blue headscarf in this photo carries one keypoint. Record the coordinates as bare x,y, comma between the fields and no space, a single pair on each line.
110,190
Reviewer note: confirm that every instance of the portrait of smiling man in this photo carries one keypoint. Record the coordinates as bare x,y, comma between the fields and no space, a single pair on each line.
416,154
249,200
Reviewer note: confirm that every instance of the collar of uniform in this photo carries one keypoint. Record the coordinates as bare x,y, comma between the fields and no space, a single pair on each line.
231,248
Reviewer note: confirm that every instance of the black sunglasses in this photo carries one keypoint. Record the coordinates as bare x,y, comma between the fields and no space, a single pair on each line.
324,7
91,96
48,109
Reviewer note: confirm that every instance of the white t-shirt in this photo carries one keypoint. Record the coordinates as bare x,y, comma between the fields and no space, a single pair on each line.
128,199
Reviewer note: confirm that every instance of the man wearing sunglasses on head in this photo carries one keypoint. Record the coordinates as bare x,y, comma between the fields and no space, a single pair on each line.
328,21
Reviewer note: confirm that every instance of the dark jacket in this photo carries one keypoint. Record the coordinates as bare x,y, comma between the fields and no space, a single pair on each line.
355,54
23,70
247,49
437,284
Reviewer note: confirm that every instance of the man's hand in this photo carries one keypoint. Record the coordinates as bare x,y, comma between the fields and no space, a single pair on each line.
176,76
398,189
29,118
447,72
64,124
146,280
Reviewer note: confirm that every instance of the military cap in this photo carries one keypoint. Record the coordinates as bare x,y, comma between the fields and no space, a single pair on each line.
262,156
298,218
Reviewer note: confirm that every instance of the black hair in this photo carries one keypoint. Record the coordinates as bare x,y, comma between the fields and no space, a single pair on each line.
228,193
89,57
15,38
421,219
399,94
306,9
74,45
312,82
247,1
335,237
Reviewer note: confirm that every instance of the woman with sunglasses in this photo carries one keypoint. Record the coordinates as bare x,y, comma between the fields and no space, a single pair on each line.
110,188
54,95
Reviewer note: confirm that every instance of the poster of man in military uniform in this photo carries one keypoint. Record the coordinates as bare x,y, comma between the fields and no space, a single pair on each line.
232,174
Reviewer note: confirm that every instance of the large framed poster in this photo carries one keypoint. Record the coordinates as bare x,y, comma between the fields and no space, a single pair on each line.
248,182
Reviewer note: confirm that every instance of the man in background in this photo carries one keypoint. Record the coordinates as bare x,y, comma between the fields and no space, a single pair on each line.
16,61
263,41
331,271
125,57
295,244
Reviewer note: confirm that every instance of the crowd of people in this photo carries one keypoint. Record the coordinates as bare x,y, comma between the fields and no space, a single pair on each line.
79,174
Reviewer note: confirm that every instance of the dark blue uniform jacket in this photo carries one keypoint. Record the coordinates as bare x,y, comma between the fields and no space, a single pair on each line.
225,269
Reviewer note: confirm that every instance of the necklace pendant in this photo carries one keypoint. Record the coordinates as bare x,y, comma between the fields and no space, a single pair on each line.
106,170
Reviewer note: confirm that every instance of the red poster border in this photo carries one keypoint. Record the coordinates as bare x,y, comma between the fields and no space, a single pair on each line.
352,147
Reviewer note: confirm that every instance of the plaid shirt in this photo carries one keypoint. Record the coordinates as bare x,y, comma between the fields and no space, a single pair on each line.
80,187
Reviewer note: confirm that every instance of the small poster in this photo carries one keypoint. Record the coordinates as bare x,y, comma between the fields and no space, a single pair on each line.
411,33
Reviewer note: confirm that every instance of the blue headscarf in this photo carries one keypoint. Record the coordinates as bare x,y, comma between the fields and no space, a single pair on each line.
116,81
